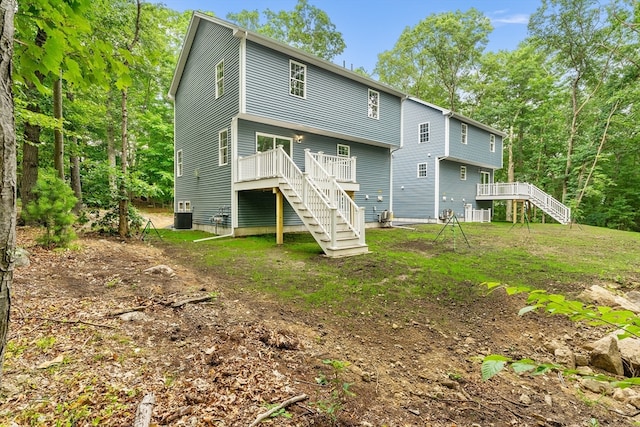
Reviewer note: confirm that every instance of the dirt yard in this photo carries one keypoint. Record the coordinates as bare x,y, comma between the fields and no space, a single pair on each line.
92,333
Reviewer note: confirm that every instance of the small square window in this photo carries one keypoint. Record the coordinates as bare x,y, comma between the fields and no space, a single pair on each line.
373,104
423,132
220,79
463,173
422,170
344,150
187,206
463,133
492,143
179,163
223,147
297,79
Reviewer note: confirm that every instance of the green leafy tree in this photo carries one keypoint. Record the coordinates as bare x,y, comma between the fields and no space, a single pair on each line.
435,59
305,27
52,208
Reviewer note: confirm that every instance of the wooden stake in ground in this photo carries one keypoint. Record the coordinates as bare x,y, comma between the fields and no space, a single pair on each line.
284,404
143,414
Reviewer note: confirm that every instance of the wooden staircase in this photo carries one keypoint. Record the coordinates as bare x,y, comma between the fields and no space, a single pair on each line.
524,191
326,210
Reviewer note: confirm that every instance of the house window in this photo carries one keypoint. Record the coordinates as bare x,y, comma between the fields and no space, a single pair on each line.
297,79
179,163
220,79
463,133
184,206
463,173
373,104
223,147
423,132
422,170
344,150
266,142
485,177
492,143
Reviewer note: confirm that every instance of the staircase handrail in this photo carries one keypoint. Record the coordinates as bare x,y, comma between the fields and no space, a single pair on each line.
348,210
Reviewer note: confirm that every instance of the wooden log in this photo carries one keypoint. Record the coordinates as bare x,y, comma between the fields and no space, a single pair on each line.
284,404
145,408
191,301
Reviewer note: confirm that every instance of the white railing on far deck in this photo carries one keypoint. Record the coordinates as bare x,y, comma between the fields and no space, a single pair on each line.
342,168
527,191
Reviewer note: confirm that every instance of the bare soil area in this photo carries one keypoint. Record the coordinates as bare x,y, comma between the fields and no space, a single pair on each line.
78,356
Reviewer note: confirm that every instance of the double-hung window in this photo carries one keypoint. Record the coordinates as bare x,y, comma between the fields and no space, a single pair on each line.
422,170
220,79
179,163
266,142
423,132
492,143
463,133
297,79
463,173
373,104
223,147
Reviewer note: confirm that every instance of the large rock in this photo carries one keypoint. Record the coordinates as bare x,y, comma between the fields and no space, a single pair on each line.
601,296
605,354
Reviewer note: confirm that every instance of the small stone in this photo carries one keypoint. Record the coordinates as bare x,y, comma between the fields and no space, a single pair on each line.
581,359
525,399
598,387
548,399
133,316
565,357
395,326
161,269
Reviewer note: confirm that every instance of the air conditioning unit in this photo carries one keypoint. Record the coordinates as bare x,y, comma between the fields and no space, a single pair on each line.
386,216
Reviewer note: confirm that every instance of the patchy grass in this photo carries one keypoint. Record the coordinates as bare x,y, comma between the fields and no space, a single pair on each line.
407,264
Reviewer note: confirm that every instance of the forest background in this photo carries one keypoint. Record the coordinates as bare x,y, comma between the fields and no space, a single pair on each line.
91,80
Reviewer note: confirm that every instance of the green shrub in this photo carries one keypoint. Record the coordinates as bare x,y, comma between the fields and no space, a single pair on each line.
51,207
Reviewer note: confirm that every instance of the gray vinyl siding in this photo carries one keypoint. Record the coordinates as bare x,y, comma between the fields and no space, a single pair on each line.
452,187
372,173
199,117
477,148
334,103
414,197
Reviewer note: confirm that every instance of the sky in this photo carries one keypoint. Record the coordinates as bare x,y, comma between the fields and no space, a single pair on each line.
370,27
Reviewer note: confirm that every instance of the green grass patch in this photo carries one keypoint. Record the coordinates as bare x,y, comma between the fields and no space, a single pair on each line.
411,264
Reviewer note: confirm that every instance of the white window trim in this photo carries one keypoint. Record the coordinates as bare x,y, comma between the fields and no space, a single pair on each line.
464,133
343,146
222,148
463,173
426,169
219,80
428,124
492,143
179,163
270,135
370,104
291,79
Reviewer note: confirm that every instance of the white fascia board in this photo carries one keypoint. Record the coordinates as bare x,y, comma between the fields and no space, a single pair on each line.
309,129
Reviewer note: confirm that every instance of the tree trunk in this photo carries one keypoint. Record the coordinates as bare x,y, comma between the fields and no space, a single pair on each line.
111,148
76,185
123,205
7,170
58,146
30,160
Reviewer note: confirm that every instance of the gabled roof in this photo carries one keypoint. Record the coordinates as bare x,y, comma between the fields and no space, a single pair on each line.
460,117
240,32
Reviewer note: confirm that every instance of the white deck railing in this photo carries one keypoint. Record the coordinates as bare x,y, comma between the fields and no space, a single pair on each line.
319,191
342,168
523,190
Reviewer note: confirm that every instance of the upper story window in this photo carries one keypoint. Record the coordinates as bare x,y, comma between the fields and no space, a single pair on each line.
266,142
463,133
423,132
220,79
344,150
492,143
223,147
179,163
297,79
422,170
463,173
373,104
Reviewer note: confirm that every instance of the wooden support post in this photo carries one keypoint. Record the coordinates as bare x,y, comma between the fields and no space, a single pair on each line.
522,212
279,216
514,211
